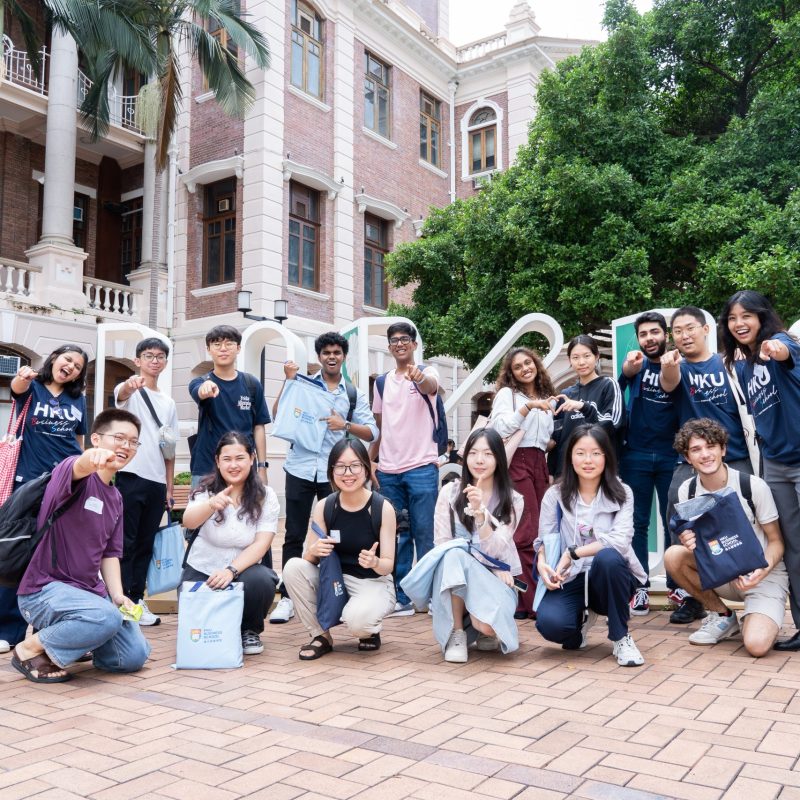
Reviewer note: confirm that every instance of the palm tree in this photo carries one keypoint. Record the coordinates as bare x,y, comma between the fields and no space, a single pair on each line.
29,38
167,23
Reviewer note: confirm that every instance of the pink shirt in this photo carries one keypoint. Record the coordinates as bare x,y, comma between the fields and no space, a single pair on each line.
406,425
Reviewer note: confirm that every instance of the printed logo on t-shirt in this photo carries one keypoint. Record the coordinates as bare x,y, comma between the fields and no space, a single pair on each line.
651,387
54,419
244,403
708,387
761,392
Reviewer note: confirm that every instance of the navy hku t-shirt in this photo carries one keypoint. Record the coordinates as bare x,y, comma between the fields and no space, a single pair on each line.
233,409
652,412
773,392
51,425
705,391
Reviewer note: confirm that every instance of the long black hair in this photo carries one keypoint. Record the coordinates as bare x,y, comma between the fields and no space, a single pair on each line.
76,386
609,481
768,318
542,384
503,487
253,491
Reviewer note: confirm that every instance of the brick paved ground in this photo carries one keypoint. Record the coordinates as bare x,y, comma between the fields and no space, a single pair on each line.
695,723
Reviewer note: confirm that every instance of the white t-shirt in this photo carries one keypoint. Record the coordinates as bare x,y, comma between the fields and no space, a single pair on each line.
148,463
766,510
219,543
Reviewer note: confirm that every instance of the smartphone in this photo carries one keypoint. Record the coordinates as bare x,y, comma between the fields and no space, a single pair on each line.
520,585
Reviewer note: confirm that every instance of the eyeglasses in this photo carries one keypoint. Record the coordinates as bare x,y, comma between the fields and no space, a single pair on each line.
121,441
159,358
396,340
225,345
356,468
689,330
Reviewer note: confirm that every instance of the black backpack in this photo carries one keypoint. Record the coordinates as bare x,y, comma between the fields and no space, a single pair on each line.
19,534
375,511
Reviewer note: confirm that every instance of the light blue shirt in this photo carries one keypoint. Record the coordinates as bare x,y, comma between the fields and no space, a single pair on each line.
314,466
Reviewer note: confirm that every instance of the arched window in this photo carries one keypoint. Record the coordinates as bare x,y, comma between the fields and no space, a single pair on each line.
483,143
307,49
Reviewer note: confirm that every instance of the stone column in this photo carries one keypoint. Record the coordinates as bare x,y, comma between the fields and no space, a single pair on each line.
61,282
343,148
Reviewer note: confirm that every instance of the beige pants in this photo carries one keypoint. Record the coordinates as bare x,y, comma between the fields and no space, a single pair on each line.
371,599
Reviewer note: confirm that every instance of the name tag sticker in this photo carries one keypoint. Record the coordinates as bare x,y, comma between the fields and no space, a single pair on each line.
94,504
335,536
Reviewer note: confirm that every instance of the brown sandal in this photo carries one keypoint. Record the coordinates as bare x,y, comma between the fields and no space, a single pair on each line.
45,669
318,646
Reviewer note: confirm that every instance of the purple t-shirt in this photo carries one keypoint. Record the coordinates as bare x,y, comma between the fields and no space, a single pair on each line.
89,531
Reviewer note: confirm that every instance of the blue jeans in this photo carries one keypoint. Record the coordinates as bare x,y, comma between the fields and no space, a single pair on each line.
416,491
643,472
73,621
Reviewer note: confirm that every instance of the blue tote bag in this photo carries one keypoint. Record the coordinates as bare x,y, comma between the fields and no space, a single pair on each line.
727,545
210,626
164,570
301,409
332,595
553,550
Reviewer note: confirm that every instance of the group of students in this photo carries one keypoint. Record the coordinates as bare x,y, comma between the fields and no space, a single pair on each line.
583,472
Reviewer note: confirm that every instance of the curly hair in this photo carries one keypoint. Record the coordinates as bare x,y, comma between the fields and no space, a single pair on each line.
542,384
706,429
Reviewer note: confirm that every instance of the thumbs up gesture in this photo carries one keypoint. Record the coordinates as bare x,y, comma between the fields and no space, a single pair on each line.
368,559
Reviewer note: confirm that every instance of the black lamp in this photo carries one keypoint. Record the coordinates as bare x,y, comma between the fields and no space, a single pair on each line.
244,304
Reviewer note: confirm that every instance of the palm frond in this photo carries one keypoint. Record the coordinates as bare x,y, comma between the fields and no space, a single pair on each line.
170,102
29,37
243,33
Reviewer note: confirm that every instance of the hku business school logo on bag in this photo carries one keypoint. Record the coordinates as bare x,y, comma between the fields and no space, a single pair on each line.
205,636
725,544
715,547
304,416
338,588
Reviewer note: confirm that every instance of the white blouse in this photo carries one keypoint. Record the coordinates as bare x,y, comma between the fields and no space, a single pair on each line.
219,543
507,418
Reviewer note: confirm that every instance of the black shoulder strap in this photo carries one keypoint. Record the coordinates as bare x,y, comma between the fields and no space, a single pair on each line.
149,403
692,487
352,396
329,509
747,491
192,534
376,512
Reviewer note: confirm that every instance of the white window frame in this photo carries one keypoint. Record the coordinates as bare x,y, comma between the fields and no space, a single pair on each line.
466,154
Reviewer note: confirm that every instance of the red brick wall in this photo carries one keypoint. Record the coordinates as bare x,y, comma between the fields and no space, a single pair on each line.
464,188
132,178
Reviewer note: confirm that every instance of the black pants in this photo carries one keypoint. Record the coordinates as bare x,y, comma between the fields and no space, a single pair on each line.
259,592
143,506
560,614
300,496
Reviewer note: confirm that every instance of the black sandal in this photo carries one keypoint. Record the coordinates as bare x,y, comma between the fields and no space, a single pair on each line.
319,646
370,643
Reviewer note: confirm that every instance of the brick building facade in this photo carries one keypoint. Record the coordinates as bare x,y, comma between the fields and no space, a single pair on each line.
367,117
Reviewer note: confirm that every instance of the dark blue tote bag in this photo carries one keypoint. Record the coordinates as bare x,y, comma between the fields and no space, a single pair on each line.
727,545
332,596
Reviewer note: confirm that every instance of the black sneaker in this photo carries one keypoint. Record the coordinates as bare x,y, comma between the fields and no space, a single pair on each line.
688,611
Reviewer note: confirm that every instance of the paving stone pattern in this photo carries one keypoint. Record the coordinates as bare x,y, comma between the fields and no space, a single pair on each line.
694,723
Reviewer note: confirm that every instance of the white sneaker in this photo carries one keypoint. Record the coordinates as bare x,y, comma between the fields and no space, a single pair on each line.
4,646
487,643
251,644
591,618
456,650
148,617
627,653
715,628
282,612
403,610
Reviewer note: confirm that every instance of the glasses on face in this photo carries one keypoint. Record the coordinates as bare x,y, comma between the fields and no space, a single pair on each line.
396,340
689,330
225,345
594,455
122,441
356,468
159,358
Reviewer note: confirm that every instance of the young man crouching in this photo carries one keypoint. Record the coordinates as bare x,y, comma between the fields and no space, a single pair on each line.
702,443
61,593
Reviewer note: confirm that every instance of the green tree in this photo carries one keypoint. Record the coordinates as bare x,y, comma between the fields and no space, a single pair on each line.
630,192
167,23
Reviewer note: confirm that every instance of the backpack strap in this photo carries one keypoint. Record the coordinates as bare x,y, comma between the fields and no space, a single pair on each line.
352,396
380,382
252,385
744,485
331,501
376,512
692,487
421,368
149,403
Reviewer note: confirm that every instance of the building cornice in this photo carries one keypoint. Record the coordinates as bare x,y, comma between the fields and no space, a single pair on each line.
311,177
381,208
212,171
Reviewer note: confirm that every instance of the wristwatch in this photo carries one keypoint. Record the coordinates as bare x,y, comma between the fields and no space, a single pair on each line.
573,552
234,571
262,464
347,429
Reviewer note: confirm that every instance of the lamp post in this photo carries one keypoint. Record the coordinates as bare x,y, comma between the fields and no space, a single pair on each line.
244,304
280,311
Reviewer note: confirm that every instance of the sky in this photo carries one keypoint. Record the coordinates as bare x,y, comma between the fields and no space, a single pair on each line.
578,19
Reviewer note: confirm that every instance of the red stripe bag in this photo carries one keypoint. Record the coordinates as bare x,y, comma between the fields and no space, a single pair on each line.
10,446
